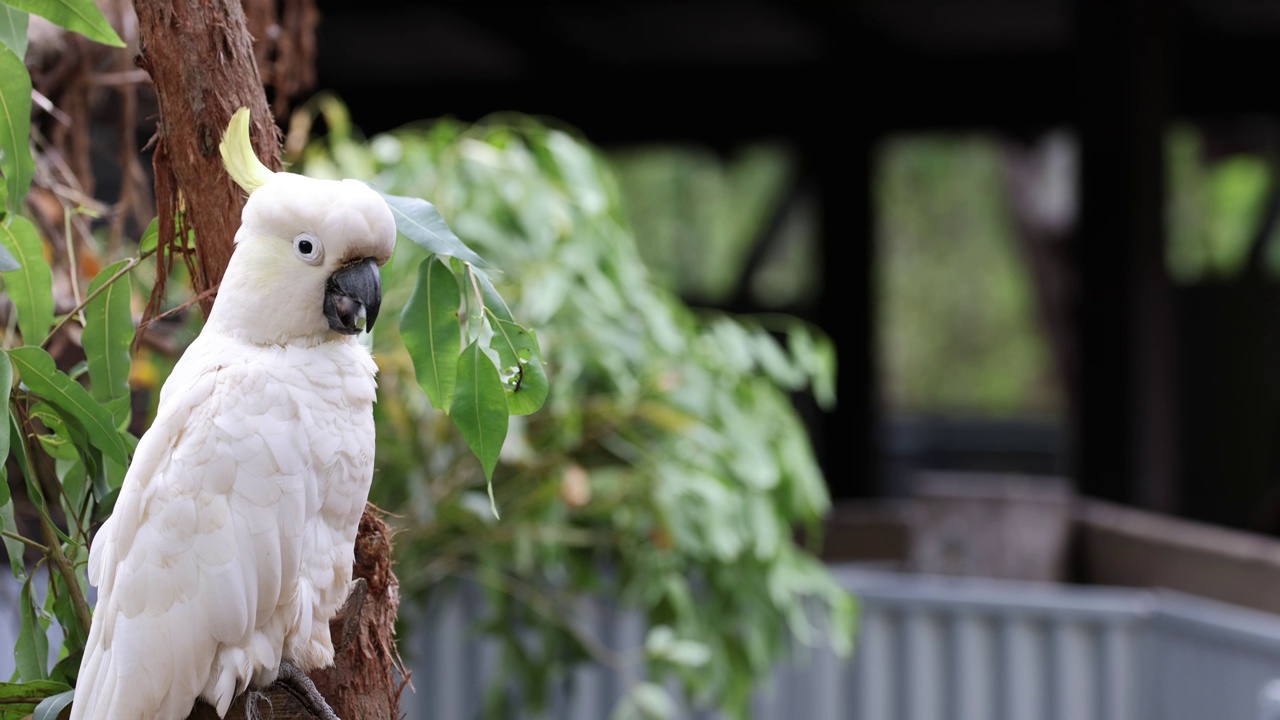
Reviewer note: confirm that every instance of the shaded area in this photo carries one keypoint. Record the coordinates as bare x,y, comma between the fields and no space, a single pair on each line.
832,81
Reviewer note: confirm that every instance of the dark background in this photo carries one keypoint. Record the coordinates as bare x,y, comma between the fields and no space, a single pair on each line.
1171,394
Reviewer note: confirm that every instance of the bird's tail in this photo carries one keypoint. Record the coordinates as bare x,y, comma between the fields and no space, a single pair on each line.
97,685
134,679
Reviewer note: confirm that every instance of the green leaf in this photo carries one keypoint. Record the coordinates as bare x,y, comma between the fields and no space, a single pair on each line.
493,302
12,547
13,29
513,343
30,286
67,668
75,483
20,699
58,442
480,407
108,333
646,700
15,128
32,651
518,349
80,16
419,221
51,707
663,644
150,237
121,409
11,691
431,332
530,393
64,610
6,387
42,377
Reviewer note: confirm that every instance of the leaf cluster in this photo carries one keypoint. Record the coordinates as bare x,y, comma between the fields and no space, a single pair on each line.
66,431
667,470
69,444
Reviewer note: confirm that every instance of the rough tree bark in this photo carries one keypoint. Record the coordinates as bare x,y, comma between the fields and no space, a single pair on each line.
374,691
201,59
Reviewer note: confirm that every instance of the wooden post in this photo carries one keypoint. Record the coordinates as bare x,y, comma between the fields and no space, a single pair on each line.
1124,429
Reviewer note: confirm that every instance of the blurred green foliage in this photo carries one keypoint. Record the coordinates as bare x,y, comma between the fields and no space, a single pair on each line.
668,468
957,322
697,214
956,317
1213,209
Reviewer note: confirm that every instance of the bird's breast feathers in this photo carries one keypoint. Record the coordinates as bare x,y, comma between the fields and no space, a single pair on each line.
233,534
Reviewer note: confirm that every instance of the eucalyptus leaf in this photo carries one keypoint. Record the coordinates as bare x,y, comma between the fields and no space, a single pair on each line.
32,651
422,223
51,707
480,407
430,330
41,375
20,699
6,388
15,129
652,401
530,394
75,483
108,334
121,407
493,302
651,702
81,16
15,549
30,286
513,343
150,237
518,350
74,635
13,29
11,691
58,442
67,668
824,373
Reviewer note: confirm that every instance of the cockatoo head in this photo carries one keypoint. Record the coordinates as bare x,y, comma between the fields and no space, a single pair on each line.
305,267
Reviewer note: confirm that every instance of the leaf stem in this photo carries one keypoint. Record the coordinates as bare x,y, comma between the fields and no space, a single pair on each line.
73,272
25,541
53,551
133,263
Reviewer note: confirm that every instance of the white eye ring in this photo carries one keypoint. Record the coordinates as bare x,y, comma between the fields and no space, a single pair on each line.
308,247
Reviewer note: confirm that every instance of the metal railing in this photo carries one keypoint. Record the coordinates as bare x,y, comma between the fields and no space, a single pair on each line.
932,648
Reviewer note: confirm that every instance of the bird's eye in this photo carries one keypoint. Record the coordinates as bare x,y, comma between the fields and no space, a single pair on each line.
308,247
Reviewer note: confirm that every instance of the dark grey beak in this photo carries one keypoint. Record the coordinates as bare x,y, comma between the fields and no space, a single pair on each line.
352,297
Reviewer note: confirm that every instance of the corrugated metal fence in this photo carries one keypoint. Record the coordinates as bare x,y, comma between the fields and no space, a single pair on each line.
928,649
942,649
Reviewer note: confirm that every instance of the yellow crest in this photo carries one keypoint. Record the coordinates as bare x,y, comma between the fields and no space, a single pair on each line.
238,157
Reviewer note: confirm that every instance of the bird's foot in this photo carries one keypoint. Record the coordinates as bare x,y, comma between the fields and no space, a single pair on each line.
350,613
300,687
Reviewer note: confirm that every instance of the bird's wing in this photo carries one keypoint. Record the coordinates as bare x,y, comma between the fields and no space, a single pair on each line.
192,559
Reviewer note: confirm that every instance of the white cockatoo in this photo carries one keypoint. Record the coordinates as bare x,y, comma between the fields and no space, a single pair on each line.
231,544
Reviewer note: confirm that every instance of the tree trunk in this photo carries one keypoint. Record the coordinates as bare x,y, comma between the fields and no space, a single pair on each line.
367,677
201,58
